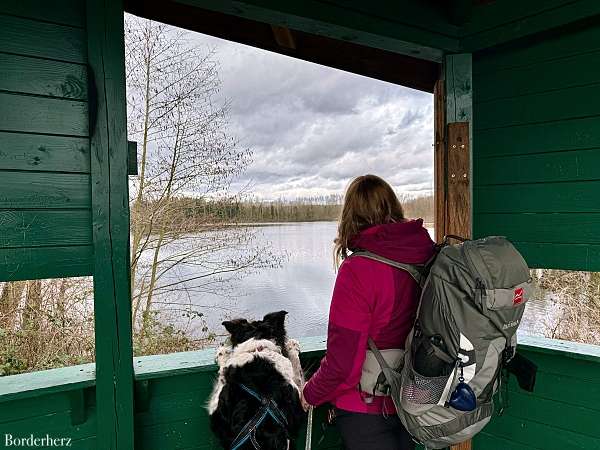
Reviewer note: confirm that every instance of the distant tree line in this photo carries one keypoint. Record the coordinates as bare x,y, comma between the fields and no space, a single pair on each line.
304,209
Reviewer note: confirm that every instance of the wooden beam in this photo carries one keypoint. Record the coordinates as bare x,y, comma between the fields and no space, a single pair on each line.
440,160
458,176
283,37
110,222
395,67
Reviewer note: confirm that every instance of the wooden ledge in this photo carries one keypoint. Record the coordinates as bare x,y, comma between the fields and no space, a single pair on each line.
65,379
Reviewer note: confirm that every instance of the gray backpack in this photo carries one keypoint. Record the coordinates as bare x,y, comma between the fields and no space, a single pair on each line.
473,297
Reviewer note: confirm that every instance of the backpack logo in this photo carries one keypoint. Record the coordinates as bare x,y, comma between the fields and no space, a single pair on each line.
518,298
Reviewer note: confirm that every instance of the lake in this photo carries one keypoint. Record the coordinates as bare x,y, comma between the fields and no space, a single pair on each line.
303,284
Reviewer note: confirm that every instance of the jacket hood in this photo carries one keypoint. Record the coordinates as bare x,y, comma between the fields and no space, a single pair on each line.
406,242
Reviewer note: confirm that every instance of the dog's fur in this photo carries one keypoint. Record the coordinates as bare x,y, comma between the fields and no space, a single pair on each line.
261,357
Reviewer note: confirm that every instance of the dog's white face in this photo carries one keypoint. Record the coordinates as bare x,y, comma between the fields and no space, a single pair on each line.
264,338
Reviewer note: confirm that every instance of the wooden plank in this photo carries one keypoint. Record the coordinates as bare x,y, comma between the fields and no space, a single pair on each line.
370,61
179,434
564,104
578,165
548,228
558,256
41,152
414,13
459,114
488,441
56,424
110,200
21,409
557,46
560,73
43,228
568,13
24,74
531,433
459,88
51,41
37,384
45,262
489,15
571,134
567,197
26,190
550,412
440,188
323,18
458,206
65,12
25,113
561,349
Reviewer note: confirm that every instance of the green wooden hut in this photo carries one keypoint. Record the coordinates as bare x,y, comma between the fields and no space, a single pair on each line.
517,95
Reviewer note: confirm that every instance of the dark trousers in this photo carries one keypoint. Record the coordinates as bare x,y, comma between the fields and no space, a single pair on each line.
372,431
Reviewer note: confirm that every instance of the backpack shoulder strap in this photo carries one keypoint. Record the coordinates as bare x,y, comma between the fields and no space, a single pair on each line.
415,271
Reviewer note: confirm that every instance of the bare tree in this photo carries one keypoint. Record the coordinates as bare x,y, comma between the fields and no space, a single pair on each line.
185,152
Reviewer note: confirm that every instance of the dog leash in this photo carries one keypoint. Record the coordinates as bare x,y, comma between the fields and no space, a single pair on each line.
309,426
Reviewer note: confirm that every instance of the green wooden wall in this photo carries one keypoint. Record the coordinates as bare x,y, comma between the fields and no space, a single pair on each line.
536,147
171,391
45,206
64,203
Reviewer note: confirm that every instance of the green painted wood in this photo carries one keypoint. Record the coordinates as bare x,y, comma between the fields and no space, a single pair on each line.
24,74
486,16
568,72
562,349
569,197
530,407
326,19
411,13
487,441
578,165
64,12
30,114
55,424
110,201
568,13
459,83
36,384
22,408
43,228
558,256
548,137
563,388
52,41
46,262
564,104
556,46
44,190
540,435
41,152
547,228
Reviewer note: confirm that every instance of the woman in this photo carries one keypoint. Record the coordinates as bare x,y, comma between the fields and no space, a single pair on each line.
370,299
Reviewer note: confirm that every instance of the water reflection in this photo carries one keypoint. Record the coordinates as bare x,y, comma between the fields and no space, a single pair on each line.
304,283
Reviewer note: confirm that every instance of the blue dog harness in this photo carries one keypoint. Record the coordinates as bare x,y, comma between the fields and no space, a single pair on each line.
268,408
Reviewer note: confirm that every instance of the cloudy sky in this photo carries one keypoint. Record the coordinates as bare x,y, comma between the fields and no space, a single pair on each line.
313,128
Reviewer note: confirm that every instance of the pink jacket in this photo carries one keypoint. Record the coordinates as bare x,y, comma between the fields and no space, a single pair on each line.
370,299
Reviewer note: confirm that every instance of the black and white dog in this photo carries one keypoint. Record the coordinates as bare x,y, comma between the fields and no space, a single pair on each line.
255,402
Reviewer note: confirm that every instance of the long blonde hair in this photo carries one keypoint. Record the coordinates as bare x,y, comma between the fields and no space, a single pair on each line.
368,201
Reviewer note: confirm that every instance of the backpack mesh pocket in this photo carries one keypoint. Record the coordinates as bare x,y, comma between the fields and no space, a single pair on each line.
422,390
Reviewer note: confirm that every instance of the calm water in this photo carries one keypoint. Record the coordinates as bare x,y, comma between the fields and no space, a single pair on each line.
303,284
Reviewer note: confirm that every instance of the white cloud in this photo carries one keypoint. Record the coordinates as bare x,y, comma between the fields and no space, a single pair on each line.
313,128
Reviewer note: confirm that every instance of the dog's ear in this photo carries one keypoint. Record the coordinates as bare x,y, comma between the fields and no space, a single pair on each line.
276,320
235,326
